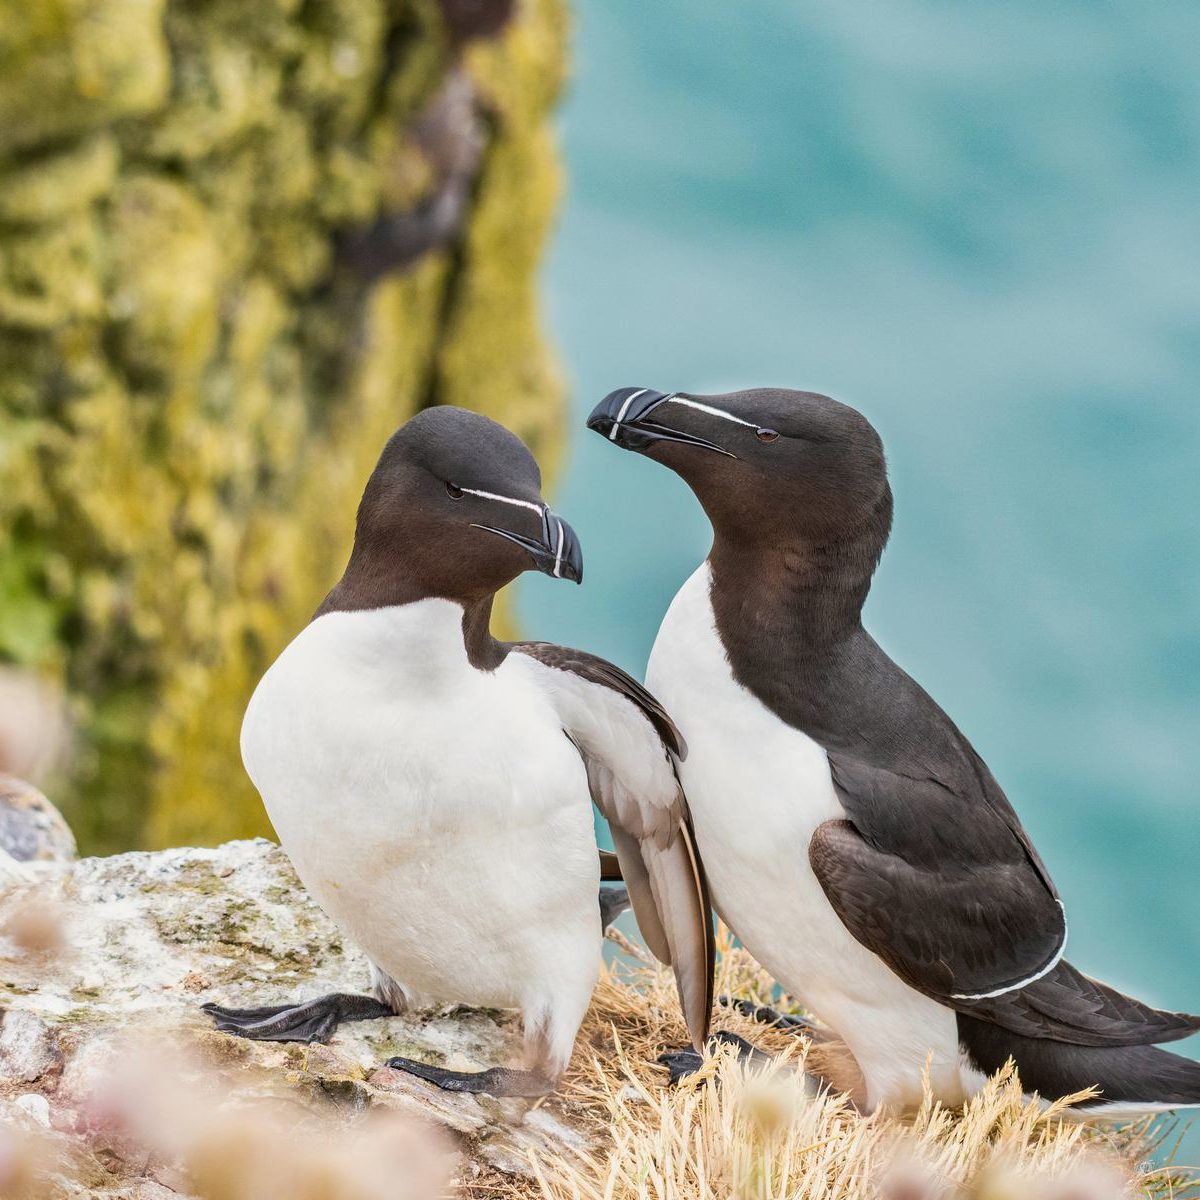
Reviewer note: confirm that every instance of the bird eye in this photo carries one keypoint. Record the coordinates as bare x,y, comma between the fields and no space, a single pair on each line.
767,435
454,491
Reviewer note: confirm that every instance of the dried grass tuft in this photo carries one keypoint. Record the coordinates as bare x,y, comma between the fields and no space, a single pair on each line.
745,1132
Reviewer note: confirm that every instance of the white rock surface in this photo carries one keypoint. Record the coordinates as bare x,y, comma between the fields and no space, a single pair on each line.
28,1047
146,938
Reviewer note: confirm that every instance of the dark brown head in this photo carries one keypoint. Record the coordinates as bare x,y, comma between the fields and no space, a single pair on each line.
767,464
454,510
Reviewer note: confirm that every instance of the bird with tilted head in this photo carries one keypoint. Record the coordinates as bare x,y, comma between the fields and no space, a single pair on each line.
433,786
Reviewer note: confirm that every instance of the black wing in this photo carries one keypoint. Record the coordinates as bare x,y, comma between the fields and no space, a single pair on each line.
950,894
941,887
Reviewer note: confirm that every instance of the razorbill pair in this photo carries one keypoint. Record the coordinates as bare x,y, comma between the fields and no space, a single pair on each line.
854,840
434,786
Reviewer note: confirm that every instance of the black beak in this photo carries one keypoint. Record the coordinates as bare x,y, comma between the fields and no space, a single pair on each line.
556,553
625,418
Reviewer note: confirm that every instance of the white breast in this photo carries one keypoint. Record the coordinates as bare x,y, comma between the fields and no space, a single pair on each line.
435,811
758,789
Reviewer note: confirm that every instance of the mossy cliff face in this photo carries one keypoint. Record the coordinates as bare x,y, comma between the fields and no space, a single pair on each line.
239,244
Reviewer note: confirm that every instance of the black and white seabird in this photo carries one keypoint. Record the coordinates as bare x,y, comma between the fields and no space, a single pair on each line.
854,840
433,786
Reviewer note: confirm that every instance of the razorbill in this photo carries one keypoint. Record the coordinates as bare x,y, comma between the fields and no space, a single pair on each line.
433,786
854,840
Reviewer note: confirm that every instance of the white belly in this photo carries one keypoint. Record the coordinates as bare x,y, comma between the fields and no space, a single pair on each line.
436,812
758,789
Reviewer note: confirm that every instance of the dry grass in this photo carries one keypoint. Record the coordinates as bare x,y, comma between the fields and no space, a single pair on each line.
761,1134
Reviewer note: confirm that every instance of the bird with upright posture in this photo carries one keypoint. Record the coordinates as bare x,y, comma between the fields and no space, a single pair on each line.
433,786
854,840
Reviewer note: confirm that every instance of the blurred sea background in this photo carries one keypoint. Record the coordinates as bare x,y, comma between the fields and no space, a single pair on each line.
981,226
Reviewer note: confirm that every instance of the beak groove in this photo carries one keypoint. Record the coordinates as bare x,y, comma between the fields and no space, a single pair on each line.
622,417
557,553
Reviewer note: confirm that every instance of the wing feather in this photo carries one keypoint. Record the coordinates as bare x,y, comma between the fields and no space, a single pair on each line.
629,745
953,898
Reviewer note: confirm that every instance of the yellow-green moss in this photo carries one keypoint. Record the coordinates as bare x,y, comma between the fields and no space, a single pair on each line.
192,391
70,66
492,357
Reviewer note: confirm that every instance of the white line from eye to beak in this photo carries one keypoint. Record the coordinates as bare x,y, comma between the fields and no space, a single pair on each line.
708,408
612,436
537,508
558,553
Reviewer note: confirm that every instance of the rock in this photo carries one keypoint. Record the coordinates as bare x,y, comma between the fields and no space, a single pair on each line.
149,937
31,828
467,20
165,251
36,1106
448,145
28,1047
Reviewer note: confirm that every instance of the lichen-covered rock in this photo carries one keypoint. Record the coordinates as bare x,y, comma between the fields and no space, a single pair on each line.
31,828
70,66
148,937
239,244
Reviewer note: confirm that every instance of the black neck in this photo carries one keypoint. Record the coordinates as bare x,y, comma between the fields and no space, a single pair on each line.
794,591
371,582
764,596
483,651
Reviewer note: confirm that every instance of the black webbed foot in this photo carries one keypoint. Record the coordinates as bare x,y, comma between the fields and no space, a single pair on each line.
685,1061
680,1064
764,1014
314,1021
496,1081
747,1051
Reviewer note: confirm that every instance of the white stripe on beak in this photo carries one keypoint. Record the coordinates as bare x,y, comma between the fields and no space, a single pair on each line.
612,436
558,552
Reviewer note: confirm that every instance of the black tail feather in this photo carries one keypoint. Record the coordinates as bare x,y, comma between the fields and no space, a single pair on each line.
1068,1006
1127,1075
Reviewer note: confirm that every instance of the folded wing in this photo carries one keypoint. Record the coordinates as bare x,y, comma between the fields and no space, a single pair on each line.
939,879
937,882
629,744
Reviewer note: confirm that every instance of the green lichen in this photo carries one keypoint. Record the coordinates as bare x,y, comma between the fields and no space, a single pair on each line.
403,1048
75,1016
192,388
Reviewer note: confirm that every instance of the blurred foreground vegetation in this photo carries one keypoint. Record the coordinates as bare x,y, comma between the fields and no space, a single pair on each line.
239,244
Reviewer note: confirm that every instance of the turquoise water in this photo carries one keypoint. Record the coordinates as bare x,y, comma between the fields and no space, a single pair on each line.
981,226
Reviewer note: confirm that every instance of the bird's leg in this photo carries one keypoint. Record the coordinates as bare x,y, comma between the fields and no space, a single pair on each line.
313,1021
496,1081
766,1015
